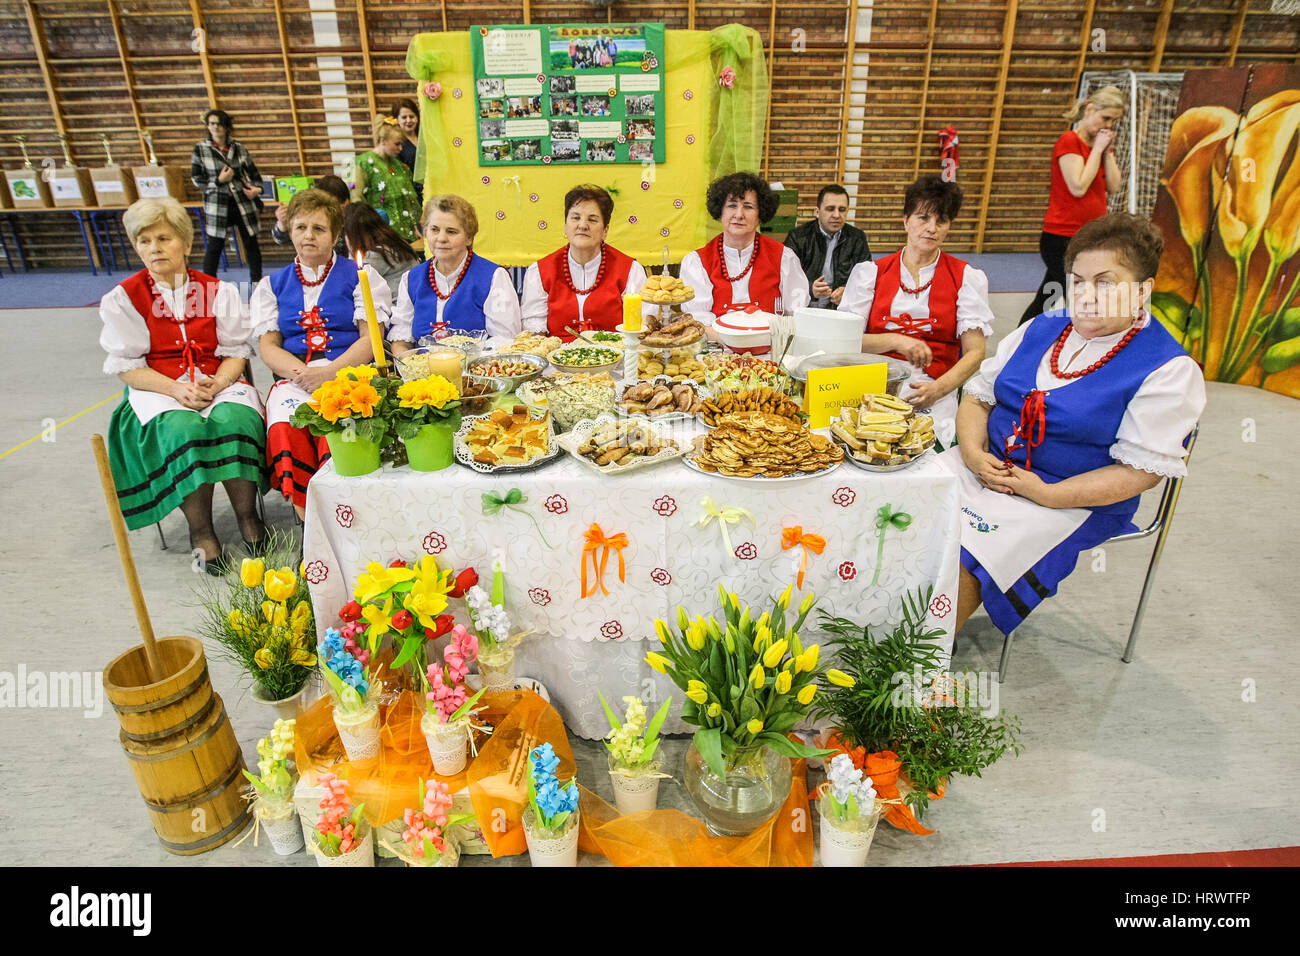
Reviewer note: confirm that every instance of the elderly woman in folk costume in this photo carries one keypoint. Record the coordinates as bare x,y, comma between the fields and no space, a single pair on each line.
177,339
457,288
1078,413
308,319
924,306
742,270
581,284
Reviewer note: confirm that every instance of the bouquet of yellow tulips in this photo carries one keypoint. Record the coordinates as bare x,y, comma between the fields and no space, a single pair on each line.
262,618
748,681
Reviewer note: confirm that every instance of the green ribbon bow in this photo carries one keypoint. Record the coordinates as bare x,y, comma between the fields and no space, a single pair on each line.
886,517
493,503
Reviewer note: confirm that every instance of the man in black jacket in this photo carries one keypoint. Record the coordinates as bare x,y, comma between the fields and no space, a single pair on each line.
828,247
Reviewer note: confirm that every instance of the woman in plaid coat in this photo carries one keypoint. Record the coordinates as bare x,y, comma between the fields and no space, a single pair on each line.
223,171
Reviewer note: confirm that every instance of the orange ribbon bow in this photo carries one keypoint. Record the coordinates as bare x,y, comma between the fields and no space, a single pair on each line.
596,539
793,538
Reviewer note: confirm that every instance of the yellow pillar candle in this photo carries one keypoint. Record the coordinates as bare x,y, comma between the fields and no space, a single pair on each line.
372,320
632,312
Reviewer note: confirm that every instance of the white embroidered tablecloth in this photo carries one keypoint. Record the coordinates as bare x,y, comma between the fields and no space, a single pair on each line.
598,643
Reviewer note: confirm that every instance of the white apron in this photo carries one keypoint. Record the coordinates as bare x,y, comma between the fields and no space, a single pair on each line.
149,405
1007,534
285,396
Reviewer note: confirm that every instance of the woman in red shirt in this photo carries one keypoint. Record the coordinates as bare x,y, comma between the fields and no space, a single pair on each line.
1083,172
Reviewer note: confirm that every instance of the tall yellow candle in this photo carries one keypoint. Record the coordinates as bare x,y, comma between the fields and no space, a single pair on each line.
632,312
372,320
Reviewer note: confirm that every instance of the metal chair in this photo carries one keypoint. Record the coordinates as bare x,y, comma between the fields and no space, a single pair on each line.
1159,526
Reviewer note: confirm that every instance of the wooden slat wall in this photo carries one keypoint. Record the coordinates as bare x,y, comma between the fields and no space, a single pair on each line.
806,120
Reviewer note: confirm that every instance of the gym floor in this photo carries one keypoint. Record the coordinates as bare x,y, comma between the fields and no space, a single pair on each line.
1190,748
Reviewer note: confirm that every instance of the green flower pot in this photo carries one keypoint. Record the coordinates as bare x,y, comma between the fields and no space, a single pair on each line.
430,448
353,458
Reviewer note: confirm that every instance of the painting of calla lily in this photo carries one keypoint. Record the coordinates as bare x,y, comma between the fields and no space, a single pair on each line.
1229,207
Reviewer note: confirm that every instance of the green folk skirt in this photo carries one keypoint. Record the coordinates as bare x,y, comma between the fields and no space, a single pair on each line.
155,466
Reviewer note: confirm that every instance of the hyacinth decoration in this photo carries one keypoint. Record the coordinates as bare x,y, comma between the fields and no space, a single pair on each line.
338,823
552,804
344,672
632,743
274,783
448,696
490,619
850,793
425,833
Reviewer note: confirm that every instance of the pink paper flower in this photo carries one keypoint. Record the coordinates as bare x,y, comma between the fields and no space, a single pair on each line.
727,78
433,89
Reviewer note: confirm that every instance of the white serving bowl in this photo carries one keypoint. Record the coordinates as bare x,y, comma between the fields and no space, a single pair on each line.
745,331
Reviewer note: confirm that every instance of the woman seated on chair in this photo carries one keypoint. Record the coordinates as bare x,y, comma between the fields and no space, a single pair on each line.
925,306
189,419
457,288
581,284
740,269
1078,413
309,321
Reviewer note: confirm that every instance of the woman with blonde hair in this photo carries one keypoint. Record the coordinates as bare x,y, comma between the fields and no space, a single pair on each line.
1084,170
457,287
385,184
188,419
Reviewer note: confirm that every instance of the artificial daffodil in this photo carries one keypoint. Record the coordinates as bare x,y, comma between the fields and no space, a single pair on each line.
379,579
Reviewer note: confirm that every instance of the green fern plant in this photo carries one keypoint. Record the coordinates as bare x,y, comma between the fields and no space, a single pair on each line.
937,729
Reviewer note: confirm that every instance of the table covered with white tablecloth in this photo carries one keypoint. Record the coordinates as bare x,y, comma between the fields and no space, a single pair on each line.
655,553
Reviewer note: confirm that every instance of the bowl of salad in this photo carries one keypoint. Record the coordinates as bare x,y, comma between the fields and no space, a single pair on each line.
586,358
608,339
733,373
515,367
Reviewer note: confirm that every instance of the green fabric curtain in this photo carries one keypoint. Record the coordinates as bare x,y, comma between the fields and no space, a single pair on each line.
432,145
739,114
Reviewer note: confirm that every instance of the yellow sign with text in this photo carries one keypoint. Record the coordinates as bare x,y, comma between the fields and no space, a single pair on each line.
830,389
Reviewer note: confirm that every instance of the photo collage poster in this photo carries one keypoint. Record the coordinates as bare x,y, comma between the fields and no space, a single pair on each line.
570,93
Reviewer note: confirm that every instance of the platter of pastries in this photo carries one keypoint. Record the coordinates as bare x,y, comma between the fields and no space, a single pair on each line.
883,433
674,332
661,398
514,440
761,399
665,289
611,446
680,365
761,446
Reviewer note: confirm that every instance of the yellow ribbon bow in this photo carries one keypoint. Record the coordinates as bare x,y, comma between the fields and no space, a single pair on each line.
724,516
507,182
793,538
596,539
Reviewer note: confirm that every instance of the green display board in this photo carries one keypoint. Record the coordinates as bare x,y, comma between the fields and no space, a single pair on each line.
571,93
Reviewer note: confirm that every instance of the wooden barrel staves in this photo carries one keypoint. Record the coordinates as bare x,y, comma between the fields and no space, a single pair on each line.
181,746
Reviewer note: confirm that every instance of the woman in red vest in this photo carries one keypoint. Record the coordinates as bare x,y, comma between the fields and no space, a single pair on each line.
925,306
1084,171
188,420
740,269
581,284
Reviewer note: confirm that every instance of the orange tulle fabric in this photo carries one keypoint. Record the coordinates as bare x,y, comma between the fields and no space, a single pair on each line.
674,838
885,770
498,788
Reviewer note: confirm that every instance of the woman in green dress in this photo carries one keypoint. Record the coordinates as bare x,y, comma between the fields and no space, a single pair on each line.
383,183
190,419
